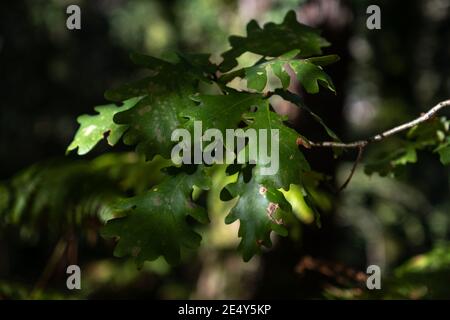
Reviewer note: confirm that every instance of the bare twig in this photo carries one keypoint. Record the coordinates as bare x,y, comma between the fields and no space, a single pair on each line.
352,172
362,143
55,258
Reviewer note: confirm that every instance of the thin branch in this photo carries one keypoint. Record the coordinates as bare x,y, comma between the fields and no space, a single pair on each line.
352,172
55,258
362,143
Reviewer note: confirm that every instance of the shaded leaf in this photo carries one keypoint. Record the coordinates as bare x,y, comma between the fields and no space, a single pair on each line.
156,224
427,135
198,63
386,164
444,152
152,121
273,40
164,76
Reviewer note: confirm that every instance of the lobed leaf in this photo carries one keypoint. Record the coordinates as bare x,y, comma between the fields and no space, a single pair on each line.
156,222
94,128
273,40
308,74
260,210
292,162
221,111
152,121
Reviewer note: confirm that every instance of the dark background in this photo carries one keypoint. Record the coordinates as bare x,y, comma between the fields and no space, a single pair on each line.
49,75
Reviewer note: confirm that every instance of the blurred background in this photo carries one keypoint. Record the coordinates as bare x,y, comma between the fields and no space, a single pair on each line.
52,205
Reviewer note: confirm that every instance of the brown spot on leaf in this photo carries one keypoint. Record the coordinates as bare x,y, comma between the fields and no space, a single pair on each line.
271,208
262,190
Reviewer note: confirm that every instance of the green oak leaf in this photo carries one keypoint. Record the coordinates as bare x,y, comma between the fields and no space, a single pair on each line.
189,68
444,151
260,210
198,63
434,132
152,121
309,74
159,79
93,128
132,89
444,154
156,223
292,163
273,40
429,133
256,77
221,111
386,163
426,135
166,93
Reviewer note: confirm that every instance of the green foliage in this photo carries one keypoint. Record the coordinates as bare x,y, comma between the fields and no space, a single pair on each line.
62,195
432,135
274,40
165,94
162,110
156,224
221,111
260,209
158,217
94,128
291,160
308,72
444,152
421,277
